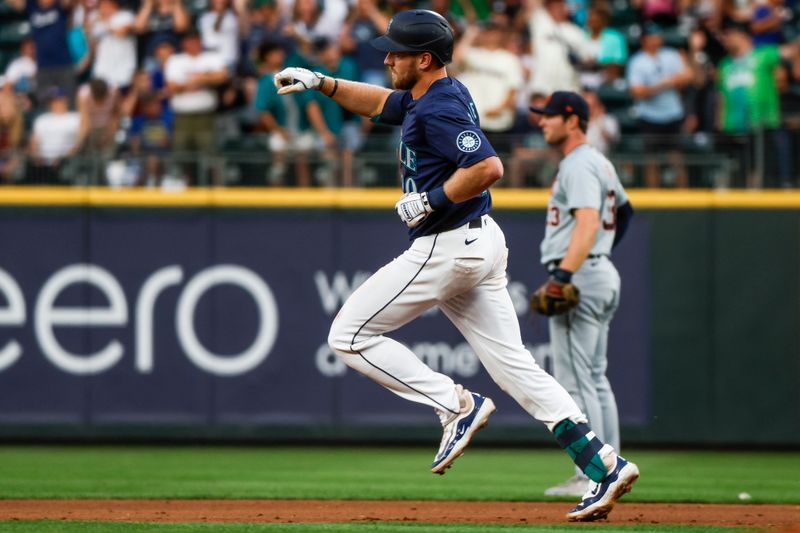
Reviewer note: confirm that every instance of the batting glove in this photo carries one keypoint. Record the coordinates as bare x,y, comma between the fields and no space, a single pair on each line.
295,80
413,208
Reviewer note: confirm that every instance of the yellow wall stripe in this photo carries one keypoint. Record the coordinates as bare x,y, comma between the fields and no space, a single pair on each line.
369,198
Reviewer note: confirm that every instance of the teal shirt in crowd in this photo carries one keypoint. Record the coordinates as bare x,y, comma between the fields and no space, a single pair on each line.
613,47
281,107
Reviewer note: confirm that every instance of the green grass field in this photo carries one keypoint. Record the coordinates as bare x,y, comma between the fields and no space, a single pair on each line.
376,473
367,473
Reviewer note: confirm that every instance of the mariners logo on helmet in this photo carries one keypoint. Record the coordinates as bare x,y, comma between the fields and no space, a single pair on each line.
468,141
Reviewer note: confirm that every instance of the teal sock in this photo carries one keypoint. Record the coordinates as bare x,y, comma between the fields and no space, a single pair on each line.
583,448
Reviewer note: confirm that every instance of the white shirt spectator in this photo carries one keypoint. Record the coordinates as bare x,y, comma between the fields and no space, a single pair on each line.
180,68
56,134
22,68
225,41
552,44
115,60
329,24
490,75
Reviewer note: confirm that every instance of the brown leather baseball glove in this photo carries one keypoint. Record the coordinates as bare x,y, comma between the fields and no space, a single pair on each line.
555,297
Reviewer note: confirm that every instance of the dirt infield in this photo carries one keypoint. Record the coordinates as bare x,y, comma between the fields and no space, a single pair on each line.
759,516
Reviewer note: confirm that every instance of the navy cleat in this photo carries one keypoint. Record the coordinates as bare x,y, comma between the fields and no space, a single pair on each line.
601,497
458,431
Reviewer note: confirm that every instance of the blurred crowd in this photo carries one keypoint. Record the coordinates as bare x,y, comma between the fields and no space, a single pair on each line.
143,86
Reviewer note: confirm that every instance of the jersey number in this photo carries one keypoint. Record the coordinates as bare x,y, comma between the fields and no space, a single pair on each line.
553,216
610,212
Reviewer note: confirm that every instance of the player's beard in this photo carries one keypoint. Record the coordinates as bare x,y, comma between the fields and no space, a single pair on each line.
557,141
405,81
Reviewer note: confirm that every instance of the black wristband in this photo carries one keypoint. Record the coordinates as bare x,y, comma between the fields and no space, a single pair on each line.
564,276
335,87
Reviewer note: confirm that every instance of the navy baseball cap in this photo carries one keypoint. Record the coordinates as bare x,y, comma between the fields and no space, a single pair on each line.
565,103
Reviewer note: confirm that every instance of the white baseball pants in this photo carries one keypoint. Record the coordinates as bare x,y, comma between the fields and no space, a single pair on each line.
463,271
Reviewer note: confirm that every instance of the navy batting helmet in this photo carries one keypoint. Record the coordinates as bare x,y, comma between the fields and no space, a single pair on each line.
418,30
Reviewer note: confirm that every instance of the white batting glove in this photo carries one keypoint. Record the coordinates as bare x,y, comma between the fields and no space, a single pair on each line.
295,80
413,208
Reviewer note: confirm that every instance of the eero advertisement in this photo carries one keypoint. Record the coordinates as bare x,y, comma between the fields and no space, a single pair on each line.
203,316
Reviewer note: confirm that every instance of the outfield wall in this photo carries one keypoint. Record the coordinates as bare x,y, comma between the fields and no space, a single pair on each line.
204,315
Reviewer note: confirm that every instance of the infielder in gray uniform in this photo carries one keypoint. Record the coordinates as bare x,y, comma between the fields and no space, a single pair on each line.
587,215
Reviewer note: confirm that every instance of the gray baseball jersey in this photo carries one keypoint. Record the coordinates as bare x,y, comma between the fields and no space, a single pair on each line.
586,178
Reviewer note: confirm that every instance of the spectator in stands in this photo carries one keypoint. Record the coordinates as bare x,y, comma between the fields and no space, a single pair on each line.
749,94
220,27
99,110
709,23
54,138
603,129
284,119
267,22
701,93
339,130
312,19
131,102
365,23
11,129
192,78
158,21
114,44
145,82
768,19
77,39
49,20
656,74
158,68
609,48
21,72
559,46
151,138
494,77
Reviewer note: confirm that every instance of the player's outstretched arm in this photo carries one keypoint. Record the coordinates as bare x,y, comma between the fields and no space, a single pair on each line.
360,98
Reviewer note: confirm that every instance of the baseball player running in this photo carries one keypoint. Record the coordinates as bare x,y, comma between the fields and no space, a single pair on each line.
456,261
587,216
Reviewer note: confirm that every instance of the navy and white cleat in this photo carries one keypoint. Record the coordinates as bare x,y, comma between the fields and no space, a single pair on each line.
601,497
458,432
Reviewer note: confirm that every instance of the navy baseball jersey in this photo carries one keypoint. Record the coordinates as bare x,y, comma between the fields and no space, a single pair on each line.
440,134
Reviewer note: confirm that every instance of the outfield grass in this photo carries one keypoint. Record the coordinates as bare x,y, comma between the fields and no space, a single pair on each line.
375,473
55,526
